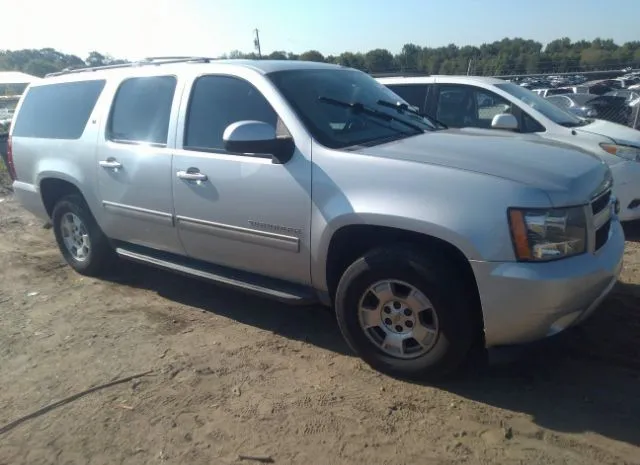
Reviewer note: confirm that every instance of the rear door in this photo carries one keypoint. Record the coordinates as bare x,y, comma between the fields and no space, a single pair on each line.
134,163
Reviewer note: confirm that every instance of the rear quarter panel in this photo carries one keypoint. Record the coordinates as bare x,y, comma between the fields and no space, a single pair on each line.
71,160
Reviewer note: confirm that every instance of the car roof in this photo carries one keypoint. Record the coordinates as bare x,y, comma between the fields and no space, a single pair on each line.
196,65
440,78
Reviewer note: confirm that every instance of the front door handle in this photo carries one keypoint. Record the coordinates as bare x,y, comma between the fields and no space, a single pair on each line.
192,175
110,163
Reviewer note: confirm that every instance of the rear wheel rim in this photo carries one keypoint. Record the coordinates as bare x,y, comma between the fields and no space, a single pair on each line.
398,319
75,236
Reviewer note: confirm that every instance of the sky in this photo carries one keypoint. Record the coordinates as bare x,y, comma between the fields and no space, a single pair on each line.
134,29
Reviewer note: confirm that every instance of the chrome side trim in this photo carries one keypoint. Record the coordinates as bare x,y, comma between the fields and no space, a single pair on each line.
237,233
255,288
138,213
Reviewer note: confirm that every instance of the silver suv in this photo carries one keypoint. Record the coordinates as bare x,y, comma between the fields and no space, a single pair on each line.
309,182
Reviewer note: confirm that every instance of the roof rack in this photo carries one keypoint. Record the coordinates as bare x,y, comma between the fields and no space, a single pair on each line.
149,61
399,74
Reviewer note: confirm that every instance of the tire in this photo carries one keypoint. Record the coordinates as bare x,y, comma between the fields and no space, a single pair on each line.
98,256
451,329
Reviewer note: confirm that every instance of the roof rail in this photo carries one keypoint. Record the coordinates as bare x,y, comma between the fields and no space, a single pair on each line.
149,61
399,74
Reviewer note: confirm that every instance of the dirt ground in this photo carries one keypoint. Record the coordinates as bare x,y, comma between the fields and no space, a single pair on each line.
235,375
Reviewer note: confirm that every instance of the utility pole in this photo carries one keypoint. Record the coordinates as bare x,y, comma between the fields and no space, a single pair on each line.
256,43
469,66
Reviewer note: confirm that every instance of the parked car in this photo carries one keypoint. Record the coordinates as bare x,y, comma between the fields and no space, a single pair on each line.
575,103
308,182
520,110
608,107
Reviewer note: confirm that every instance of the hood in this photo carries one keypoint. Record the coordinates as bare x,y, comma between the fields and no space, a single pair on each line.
620,134
569,175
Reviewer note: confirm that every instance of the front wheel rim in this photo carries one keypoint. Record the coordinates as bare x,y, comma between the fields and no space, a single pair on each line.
398,319
75,236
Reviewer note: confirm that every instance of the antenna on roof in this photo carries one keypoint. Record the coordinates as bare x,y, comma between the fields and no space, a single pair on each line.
256,43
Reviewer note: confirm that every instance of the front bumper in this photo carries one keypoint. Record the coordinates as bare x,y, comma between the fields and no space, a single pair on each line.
525,302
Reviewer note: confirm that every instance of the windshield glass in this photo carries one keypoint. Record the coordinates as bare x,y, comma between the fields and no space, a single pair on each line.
548,109
346,107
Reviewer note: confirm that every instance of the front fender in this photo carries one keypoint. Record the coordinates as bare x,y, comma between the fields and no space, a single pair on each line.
324,235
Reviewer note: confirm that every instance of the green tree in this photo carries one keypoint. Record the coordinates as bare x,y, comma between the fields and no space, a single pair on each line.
311,55
378,60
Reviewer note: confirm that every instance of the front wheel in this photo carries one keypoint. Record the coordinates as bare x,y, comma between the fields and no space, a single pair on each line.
405,315
81,241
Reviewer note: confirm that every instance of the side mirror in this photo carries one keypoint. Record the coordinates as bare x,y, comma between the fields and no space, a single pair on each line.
504,121
257,137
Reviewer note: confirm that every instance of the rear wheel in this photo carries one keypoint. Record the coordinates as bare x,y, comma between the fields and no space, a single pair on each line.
81,241
404,314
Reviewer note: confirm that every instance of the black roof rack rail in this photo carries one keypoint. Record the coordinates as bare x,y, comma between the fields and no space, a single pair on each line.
149,61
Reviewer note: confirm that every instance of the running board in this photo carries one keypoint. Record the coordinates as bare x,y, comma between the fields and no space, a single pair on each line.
276,289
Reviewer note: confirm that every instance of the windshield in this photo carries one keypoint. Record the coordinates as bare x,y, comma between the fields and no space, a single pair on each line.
345,107
548,109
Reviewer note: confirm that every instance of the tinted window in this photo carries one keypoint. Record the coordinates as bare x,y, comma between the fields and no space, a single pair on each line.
217,102
141,110
57,111
414,94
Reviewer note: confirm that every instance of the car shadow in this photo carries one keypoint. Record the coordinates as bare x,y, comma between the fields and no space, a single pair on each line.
586,379
632,230
312,324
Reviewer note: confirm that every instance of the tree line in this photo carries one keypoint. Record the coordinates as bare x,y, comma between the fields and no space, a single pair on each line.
507,56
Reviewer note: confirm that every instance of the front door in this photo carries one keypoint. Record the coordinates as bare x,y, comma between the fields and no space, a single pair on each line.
134,164
239,210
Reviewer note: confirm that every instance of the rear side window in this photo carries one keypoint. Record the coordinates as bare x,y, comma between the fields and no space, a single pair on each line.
141,110
57,111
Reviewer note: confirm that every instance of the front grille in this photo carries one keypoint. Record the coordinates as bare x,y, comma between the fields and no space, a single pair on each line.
598,207
602,235
601,202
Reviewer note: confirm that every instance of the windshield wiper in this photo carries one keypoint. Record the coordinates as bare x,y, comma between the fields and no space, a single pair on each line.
359,107
404,107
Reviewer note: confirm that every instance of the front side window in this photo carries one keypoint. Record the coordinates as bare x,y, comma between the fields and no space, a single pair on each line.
347,108
57,111
466,106
218,101
141,110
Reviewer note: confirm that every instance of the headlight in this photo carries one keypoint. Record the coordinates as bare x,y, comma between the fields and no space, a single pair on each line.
623,151
550,234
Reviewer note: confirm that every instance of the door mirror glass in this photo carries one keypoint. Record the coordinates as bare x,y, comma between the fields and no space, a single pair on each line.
257,137
504,121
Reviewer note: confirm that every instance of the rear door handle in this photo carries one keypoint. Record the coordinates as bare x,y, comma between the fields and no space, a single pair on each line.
192,175
110,163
